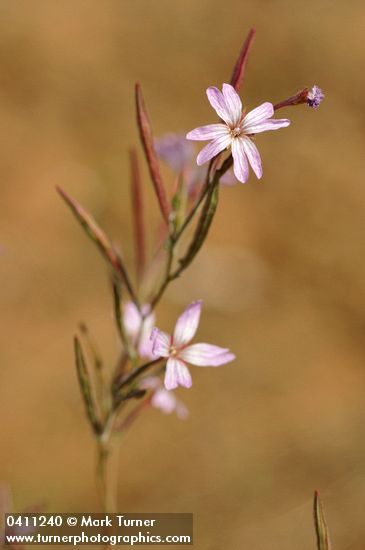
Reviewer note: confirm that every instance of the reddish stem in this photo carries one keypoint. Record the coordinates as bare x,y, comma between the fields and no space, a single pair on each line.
297,99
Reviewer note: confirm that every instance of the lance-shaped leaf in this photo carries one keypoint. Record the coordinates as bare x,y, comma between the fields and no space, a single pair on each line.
97,361
201,231
86,388
205,219
179,203
323,539
138,214
94,352
100,239
145,131
240,66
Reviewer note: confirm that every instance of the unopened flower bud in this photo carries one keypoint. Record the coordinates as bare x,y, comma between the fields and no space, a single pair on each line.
314,97
311,97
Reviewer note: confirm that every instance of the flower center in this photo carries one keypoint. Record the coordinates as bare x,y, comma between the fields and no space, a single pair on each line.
173,351
235,132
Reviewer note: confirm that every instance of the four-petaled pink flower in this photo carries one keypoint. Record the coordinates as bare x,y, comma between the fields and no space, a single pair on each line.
178,350
236,131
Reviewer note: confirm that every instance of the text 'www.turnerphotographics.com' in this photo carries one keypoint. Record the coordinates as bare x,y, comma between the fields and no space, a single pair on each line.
111,529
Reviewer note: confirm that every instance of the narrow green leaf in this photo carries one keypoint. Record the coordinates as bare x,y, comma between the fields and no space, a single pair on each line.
202,229
85,386
323,539
179,204
206,217
92,353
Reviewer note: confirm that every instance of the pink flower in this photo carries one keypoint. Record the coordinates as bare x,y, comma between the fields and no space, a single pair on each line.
165,401
236,131
179,351
139,329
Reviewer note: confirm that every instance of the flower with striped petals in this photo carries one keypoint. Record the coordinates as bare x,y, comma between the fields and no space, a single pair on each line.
178,350
235,131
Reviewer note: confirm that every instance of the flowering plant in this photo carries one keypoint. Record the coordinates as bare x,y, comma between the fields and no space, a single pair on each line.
114,400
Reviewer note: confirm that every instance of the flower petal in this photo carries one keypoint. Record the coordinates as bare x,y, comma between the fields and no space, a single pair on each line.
253,156
210,131
161,342
145,343
206,355
240,164
187,324
218,103
260,113
164,400
233,102
264,126
177,374
132,319
213,148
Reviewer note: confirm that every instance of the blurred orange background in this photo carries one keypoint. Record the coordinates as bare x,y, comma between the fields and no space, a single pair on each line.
282,275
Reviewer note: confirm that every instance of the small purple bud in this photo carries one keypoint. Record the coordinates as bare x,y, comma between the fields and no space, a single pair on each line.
314,97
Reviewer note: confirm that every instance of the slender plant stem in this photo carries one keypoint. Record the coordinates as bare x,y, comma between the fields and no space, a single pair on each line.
166,279
106,481
105,478
140,370
173,240
193,211
209,185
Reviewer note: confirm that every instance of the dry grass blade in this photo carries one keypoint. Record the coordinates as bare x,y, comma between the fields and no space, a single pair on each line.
323,539
145,131
240,66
